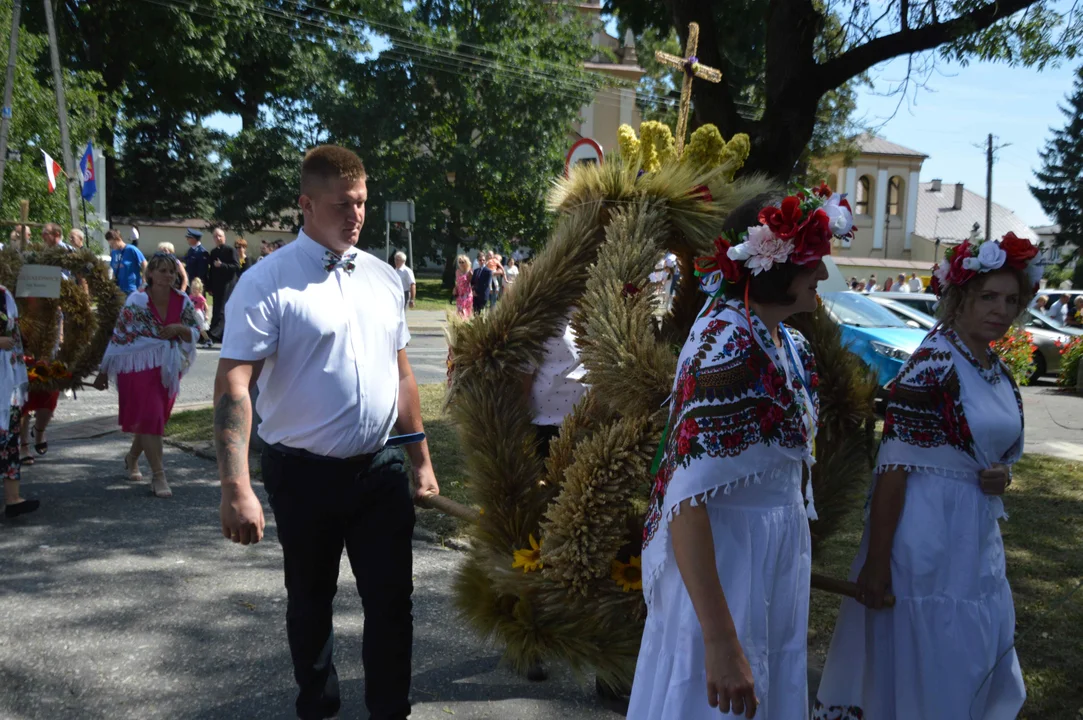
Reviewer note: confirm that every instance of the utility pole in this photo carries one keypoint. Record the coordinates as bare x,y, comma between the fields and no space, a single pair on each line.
9,87
988,187
62,111
990,158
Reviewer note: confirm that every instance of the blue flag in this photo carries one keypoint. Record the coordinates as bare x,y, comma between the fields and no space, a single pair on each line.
86,167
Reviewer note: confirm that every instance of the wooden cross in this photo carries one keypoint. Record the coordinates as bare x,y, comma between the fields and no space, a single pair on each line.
691,67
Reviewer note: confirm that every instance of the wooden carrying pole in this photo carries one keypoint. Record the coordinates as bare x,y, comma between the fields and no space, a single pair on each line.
819,582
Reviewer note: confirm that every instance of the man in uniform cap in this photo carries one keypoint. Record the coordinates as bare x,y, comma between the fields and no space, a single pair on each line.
197,260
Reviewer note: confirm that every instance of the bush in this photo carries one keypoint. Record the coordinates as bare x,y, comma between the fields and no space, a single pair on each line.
1070,355
1017,349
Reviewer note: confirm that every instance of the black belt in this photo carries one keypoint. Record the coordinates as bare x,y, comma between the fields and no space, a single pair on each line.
297,452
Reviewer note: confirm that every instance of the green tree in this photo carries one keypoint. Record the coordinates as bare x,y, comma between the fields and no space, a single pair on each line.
470,120
785,56
1059,186
242,57
259,185
35,126
165,167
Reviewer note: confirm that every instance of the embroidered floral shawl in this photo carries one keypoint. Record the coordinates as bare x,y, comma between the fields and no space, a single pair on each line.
13,380
925,426
733,419
137,344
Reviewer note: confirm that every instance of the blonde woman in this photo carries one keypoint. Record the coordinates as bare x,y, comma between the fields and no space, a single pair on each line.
464,292
152,348
181,283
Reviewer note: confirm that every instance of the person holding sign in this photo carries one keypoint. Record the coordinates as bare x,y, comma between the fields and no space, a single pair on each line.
13,389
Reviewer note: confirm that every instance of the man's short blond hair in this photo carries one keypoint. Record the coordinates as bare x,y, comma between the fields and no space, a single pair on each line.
325,163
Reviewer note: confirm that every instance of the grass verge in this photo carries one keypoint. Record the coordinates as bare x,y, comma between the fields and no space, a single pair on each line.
193,426
431,295
1042,540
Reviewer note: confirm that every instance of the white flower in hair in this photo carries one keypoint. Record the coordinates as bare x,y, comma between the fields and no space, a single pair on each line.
841,219
991,257
761,250
972,263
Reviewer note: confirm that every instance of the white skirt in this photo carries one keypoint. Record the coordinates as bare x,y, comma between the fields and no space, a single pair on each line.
763,553
945,650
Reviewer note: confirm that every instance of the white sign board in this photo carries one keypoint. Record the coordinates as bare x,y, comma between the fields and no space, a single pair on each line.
39,281
400,212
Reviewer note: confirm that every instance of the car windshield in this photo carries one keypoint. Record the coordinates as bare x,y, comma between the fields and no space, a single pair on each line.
858,311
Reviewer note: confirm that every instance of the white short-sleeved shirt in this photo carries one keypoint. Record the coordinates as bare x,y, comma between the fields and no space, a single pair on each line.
511,274
406,276
915,285
330,342
558,382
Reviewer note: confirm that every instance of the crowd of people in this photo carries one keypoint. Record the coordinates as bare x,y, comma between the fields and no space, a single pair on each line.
900,283
1065,310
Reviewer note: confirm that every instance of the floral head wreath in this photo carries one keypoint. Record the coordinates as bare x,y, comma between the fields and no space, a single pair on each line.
963,262
798,231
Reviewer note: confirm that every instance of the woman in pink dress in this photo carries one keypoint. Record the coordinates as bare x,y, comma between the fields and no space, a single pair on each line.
464,292
152,348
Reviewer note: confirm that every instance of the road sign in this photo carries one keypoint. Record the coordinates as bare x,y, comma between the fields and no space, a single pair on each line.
583,150
398,211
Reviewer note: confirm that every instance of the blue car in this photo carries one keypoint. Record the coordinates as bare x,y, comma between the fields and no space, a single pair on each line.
873,333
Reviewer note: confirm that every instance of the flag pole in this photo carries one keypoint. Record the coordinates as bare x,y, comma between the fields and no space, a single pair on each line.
86,226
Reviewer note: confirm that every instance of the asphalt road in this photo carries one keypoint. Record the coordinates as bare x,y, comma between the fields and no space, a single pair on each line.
115,604
427,352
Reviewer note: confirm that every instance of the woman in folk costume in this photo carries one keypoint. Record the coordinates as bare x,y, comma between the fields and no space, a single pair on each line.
726,574
153,346
952,429
13,393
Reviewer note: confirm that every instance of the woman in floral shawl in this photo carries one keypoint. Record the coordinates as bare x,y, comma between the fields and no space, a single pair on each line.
726,574
153,346
952,428
13,393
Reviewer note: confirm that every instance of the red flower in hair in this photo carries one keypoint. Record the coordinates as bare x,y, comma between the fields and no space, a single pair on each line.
813,240
720,261
784,221
957,274
1019,251
823,191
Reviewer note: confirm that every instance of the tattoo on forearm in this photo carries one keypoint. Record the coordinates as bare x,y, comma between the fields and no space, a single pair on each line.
232,420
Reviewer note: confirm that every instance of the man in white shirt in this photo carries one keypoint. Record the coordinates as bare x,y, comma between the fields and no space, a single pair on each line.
323,327
872,286
406,276
901,285
915,283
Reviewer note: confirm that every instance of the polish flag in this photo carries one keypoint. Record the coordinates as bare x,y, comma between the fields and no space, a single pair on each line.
52,170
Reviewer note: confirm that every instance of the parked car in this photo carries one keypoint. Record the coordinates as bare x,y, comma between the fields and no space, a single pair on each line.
873,333
1045,333
924,302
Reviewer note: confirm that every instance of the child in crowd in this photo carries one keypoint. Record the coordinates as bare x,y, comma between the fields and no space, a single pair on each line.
195,294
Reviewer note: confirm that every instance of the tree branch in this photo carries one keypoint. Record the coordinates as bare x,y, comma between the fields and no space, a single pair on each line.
856,61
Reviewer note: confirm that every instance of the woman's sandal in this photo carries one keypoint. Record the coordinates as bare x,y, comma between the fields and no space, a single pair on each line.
26,459
133,468
42,447
159,486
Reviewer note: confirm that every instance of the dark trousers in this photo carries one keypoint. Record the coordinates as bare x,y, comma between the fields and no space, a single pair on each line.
320,506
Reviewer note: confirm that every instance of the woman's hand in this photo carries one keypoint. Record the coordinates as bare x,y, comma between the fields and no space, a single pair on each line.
101,382
873,582
176,330
995,480
729,678
7,343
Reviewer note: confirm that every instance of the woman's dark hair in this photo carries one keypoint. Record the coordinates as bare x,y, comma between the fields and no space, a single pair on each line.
771,287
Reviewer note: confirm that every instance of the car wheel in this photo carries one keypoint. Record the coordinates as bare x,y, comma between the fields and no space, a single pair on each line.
1039,368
